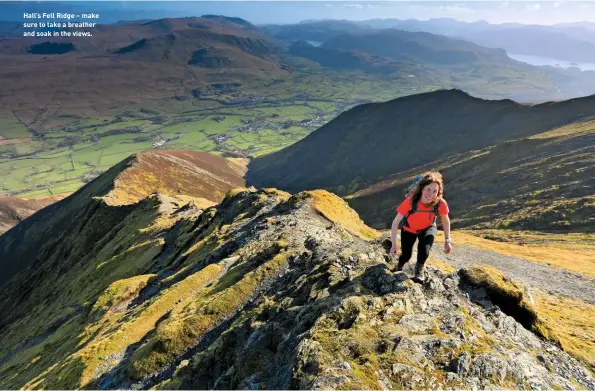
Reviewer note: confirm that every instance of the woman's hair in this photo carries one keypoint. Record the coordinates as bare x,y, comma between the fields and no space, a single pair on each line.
428,178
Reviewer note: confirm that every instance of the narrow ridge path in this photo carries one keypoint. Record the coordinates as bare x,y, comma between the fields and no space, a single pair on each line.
576,286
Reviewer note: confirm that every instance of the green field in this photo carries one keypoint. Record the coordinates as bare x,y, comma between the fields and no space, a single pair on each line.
10,127
264,118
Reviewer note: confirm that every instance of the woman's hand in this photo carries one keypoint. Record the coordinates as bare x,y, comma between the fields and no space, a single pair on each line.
394,250
447,247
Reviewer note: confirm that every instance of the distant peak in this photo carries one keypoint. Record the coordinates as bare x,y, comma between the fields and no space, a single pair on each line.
232,19
174,173
446,92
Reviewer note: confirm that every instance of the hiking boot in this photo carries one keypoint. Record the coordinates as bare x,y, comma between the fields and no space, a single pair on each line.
400,266
420,274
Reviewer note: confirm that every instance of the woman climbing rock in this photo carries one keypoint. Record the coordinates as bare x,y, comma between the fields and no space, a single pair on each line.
417,218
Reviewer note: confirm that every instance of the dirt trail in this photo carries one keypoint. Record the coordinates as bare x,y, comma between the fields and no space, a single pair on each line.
550,279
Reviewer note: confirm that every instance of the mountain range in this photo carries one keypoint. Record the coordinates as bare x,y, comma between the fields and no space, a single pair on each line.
197,52
370,153
571,42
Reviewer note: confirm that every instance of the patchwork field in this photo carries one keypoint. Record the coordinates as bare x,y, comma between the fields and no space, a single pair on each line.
50,151
38,160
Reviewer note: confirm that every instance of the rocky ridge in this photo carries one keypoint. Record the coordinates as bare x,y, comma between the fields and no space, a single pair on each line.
268,290
335,316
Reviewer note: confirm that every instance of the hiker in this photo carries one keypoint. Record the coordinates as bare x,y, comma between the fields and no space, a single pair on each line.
417,217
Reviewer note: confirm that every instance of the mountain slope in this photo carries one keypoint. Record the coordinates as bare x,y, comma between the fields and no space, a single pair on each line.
351,59
317,31
107,39
270,290
131,64
14,210
390,44
372,141
96,208
426,47
564,42
544,182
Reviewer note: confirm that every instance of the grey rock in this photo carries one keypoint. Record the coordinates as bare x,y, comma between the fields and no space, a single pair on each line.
450,284
400,277
385,288
417,323
436,286
460,365
383,381
408,376
452,377
453,321
488,366
412,350
330,381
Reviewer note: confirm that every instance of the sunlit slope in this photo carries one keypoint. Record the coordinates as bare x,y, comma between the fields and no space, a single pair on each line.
372,141
84,217
288,292
542,182
14,210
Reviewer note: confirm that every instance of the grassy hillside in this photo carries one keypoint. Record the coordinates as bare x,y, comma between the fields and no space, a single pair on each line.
89,214
540,182
214,84
571,251
373,141
13,210
264,288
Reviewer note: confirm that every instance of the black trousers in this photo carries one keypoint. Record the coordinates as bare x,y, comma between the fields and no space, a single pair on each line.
424,245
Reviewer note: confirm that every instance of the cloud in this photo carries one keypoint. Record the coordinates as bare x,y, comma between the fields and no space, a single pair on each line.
373,6
457,8
532,7
454,8
558,4
358,6
503,5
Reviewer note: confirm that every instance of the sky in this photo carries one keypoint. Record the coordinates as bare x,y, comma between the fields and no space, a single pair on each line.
527,12
266,12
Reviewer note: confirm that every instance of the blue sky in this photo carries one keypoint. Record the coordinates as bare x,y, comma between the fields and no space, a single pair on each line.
261,12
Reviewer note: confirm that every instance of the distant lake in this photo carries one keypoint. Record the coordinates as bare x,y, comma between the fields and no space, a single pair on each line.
539,60
314,43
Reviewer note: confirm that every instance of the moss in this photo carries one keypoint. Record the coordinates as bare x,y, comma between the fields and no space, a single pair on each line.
365,373
119,292
187,324
44,359
569,323
346,315
280,194
235,191
442,266
336,210
109,336
508,295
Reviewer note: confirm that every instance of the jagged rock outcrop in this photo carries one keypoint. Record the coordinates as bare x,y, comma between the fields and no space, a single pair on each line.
268,290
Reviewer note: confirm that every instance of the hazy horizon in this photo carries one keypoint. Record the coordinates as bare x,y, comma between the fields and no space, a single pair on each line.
285,12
